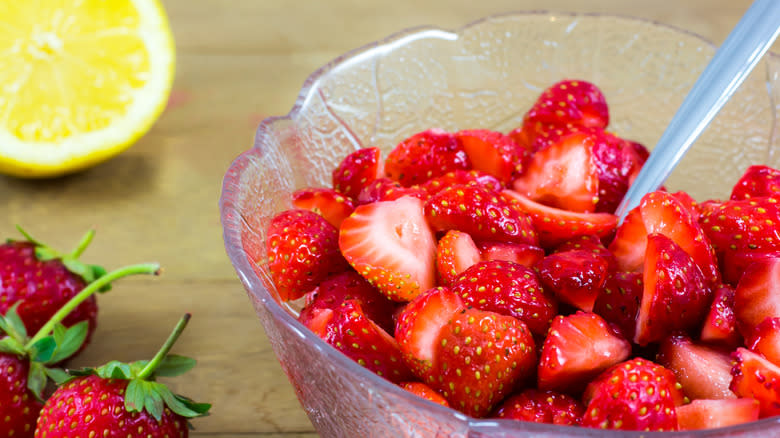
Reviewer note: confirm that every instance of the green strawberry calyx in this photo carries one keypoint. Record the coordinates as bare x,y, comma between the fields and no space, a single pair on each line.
143,392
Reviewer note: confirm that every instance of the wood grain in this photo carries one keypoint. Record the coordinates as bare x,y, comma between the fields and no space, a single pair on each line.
238,62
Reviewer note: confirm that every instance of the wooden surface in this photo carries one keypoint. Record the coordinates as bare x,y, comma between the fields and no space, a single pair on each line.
238,61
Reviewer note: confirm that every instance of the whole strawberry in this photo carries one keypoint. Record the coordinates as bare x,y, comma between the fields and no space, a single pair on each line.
120,399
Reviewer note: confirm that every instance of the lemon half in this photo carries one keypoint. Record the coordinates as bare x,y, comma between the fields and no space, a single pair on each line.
80,81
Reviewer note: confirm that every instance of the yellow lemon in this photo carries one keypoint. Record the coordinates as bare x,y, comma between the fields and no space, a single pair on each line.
80,81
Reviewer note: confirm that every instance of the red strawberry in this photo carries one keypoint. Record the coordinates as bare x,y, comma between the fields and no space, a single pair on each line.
703,371
483,214
556,226
575,277
424,156
20,407
675,295
689,203
455,252
389,243
422,390
739,261
630,242
462,177
357,170
618,302
635,153
508,289
757,181
563,175
720,324
302,251
537,136
138,405
578,348
327,203
385,189
757,296
711,414
756,377
520,253
542,407
570,101
617,162
590,243
633,395
766,340
493,153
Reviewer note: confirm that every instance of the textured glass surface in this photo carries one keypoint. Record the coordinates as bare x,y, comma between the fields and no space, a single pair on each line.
485,75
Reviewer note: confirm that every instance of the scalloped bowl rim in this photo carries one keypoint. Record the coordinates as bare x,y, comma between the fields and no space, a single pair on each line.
252,282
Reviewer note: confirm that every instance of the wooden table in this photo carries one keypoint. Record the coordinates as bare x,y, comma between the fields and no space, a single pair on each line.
238,61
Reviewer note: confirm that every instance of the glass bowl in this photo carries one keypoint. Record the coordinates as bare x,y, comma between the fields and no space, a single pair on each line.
484,75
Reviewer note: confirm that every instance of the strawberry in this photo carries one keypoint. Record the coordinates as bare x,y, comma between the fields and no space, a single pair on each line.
389,243
757,181
570,101
711,414
590,243
630,242
703,371
617,162
422,390
574,277
462,177
739,261
633,395
508,289
618,302
720,324
675,295
542,407
765,340
520,253
455,252
689,203
536,137
328,203
302,251
493,153
424,156
757,295
385,189
556,226
563,175
20,407
357,170
756,377
483,214
578,348
139,406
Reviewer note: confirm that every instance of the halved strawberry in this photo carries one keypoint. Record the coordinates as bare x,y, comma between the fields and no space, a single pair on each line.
556,226
462,177
385,189
675,295
542,407
739,261
578,348
574,277
483,214
455,252
587,242
509,289
563,175
422,390
617,163
520,253
618,302
690,204
328,203
756,377
757,181
766,339
571,101
357,170
757,295
302,251
720,324
711,414
426,155
389,243
635,153
630,243
493,153
703,371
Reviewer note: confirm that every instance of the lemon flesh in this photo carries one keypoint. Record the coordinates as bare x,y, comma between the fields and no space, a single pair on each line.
80,81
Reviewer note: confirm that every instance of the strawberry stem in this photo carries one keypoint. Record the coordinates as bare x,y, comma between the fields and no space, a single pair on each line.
155,362
145,268
83,244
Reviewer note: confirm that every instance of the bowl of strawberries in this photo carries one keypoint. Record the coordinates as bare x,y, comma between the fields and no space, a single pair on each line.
429,237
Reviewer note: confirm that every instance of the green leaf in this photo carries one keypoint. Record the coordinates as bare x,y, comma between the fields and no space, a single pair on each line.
59,333
71,341
174,365
36,379
78,268
115,370
97,272
153,401
11,346
134,396
59,376
44,253
182,405
43,350
12,324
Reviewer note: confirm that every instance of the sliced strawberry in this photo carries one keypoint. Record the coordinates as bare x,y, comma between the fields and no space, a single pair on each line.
720,324
675,295
317,320
703,371
756,377
302,251
739,261
757,181
578,348
537,136
385,189
389,243
711,414
587,242
357,170
757,296
520,253
328,203
483,214
509,289
707,207
690,204
570,101
556,226
563,175
455,252
422,390
766,340
493,153
425,155
635,153
521,138
574,277
630,243
633,395
618,302
617,161
542,407
462,177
